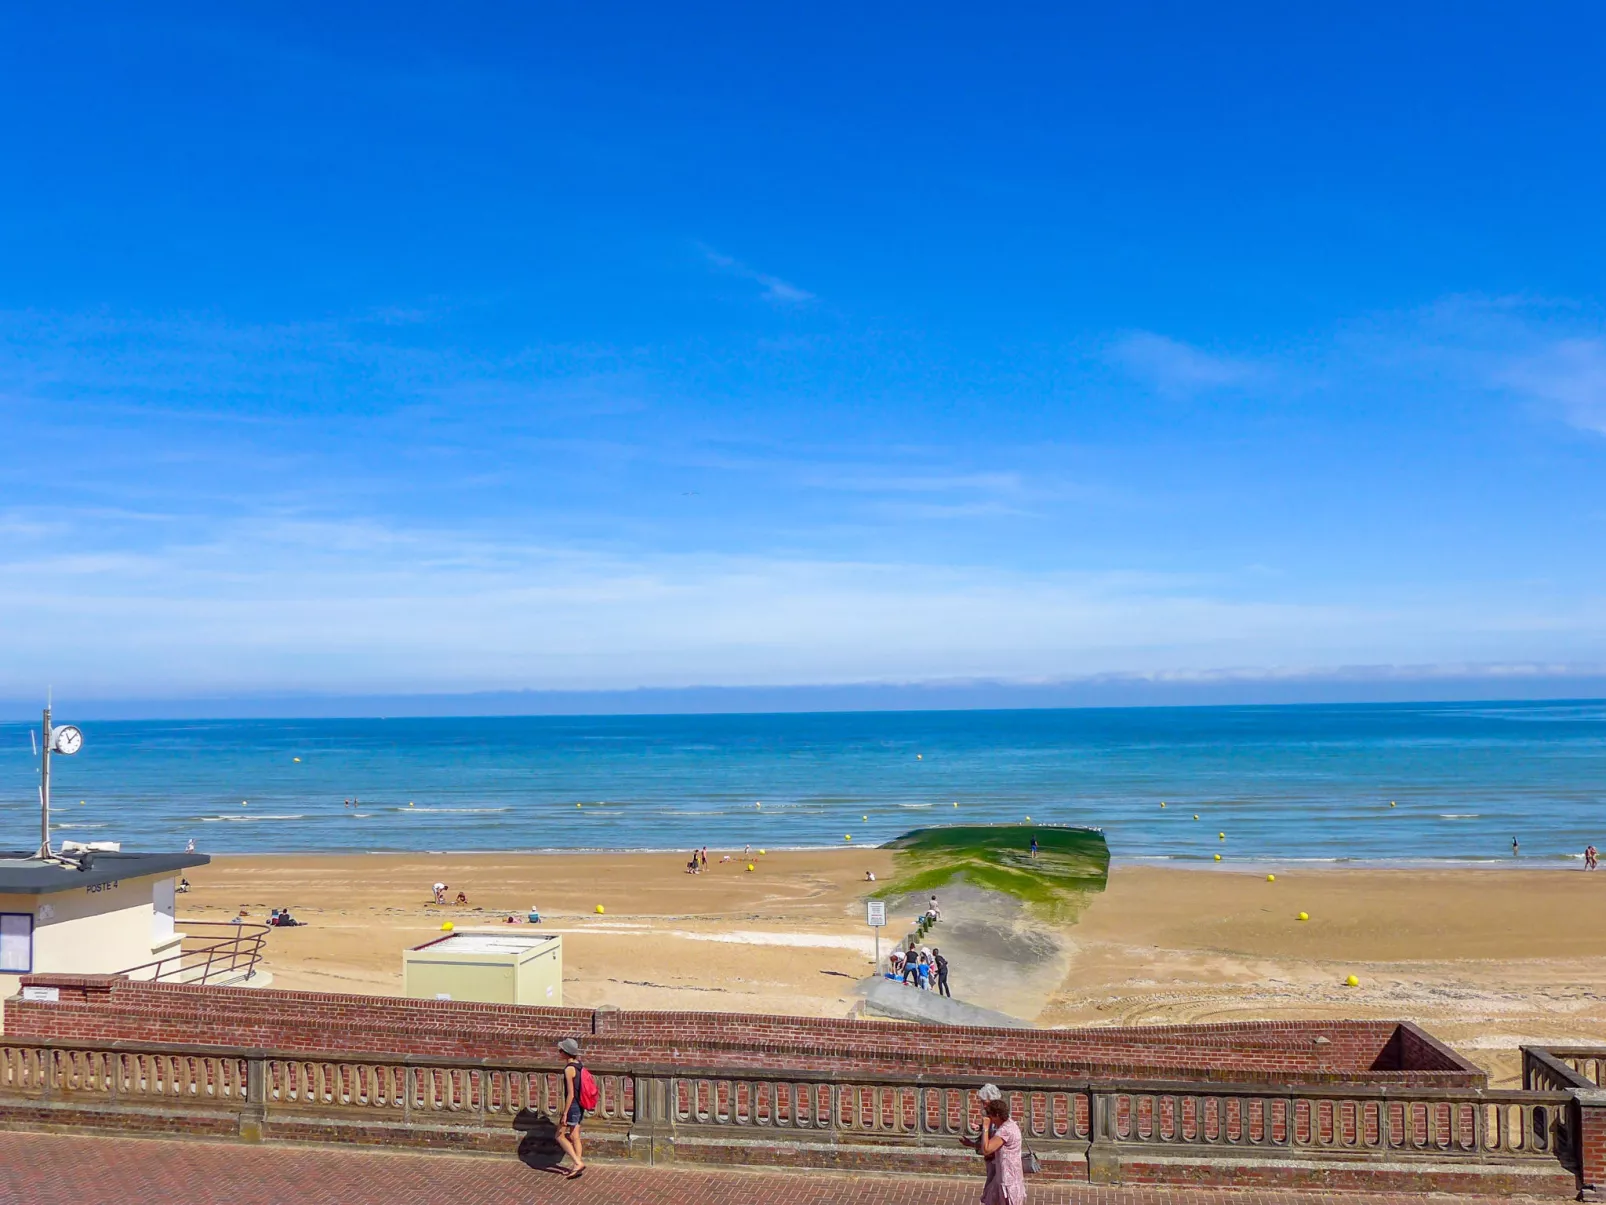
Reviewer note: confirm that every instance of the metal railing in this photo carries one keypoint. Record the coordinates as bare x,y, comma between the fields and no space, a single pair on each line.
211,952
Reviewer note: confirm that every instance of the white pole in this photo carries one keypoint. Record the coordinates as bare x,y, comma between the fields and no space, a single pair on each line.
44,792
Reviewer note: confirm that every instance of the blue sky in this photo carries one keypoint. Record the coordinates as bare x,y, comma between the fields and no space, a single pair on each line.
395,348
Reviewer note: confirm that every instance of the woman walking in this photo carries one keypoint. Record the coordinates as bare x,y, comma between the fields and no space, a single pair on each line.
1000,1144
573,1110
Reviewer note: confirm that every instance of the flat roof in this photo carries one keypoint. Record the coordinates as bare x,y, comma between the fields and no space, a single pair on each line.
24,874
487,943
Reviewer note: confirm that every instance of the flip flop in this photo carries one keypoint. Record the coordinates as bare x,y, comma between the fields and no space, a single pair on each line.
574,1173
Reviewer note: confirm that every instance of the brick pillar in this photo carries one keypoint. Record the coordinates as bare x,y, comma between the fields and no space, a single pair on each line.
1591,1114
604,1019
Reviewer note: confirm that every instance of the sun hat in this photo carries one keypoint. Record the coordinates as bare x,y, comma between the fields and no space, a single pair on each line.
570,1047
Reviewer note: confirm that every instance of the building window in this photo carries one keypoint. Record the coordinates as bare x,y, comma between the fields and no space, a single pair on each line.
16,942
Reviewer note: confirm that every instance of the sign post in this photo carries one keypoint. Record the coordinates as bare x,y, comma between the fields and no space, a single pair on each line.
875,915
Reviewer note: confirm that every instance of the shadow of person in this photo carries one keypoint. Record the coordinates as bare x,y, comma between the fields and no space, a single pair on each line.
538,1141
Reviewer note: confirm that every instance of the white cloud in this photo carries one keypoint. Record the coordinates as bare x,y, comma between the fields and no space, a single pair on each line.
1568,375
775,289
1178,370
302,605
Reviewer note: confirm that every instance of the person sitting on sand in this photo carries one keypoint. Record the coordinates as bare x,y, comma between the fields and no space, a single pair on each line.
462,897
183,886
869,876
725,859
273,917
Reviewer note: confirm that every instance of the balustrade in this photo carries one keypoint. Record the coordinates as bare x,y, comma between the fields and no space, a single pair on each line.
1395,1122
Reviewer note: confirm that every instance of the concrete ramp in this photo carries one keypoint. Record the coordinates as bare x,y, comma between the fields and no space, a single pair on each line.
890,998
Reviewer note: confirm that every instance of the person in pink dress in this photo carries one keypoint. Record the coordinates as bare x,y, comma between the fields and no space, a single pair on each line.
1000,1144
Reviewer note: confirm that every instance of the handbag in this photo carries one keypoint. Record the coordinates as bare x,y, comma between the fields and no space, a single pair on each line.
1030,1163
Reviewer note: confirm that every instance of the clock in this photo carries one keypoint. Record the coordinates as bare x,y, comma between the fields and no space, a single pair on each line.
66,739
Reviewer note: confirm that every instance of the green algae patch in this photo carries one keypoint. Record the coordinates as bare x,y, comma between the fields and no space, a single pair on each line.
1071,863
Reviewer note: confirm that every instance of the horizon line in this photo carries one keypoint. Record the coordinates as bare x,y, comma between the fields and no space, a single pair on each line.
1126,693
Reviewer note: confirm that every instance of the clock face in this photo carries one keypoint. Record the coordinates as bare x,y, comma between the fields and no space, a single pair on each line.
67,739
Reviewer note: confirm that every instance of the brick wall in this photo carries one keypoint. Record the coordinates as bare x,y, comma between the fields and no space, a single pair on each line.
1592,1145
94,1009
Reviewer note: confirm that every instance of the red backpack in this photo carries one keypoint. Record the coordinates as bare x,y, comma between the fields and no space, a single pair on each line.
586,1089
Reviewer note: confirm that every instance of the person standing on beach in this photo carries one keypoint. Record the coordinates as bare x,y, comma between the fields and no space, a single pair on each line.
942,973
1034,847
1000,1144
1591,858
1513,847
573,1113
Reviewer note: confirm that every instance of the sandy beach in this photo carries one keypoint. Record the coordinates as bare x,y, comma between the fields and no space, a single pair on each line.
1484,958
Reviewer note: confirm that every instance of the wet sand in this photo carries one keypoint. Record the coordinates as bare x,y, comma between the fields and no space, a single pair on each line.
1484,958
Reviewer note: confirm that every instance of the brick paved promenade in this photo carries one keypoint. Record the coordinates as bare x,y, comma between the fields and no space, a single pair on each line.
53,1169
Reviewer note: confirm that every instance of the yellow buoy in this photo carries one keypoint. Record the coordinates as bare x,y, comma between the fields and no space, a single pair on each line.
956,803
920,757
1218,857
762,852
1271,878
579,805
80,803
847,836
1351,981
1222,836
1392,804
750,867
865,817
1196,815
244,803
409,803
599,909
759,804
447,926
295,759
1028,820
1304,916
1162,803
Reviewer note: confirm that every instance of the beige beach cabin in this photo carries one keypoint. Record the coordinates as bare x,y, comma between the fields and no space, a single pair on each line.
493,966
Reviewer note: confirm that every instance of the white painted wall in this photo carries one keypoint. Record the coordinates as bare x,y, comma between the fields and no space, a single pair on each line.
97,930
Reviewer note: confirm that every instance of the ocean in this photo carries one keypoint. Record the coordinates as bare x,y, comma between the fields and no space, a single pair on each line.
1349,783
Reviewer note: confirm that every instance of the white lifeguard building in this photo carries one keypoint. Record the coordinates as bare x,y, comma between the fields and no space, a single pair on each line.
88,909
